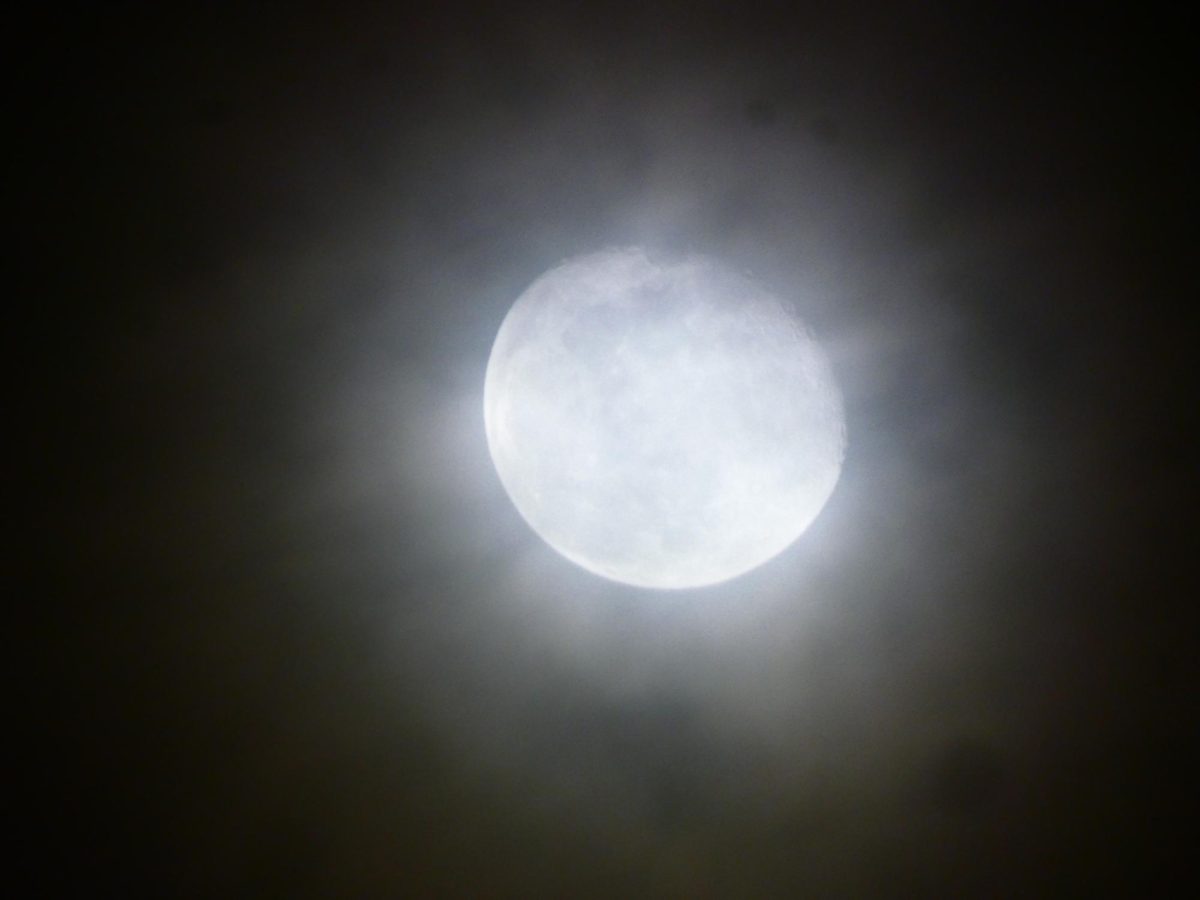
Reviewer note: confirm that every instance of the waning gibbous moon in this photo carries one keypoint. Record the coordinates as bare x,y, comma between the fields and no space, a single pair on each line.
666,424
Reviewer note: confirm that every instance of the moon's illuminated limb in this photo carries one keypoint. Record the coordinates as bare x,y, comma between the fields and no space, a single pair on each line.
667,425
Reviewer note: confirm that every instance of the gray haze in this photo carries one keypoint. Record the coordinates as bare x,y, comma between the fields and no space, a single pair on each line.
306,644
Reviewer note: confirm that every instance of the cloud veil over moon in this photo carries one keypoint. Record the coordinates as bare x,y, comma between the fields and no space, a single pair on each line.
434,486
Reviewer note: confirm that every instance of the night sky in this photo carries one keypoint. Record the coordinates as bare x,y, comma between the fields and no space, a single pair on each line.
288,636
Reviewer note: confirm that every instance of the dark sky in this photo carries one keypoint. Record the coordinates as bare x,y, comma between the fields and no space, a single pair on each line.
290,638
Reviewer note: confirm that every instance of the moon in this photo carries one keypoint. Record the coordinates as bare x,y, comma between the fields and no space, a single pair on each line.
661,423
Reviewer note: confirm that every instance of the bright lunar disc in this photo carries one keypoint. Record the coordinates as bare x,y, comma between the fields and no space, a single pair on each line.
663,424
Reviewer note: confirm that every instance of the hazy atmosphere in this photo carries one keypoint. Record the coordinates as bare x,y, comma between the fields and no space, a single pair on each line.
292,638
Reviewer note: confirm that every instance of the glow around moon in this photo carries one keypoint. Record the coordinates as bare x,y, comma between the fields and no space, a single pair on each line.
662,424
